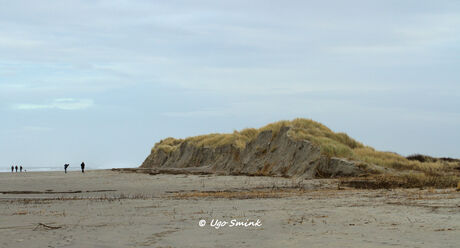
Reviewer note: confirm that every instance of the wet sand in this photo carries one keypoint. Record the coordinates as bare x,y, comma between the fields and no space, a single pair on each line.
112,209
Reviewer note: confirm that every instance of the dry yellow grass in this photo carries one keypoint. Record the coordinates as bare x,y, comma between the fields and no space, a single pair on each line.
396,161
237,139
331,143
458,186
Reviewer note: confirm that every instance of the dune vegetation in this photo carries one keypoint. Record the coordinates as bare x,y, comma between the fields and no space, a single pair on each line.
418,167
333,144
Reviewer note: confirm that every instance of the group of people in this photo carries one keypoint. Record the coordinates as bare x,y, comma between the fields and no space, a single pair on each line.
82,167
13,168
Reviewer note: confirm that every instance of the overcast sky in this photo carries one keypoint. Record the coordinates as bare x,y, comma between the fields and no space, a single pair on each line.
102,81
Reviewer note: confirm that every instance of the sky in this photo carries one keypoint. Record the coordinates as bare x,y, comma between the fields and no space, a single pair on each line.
102,81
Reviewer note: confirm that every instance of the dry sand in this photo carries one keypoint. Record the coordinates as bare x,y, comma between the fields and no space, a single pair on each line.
113,209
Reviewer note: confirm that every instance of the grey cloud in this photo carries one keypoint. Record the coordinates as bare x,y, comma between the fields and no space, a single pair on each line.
60,103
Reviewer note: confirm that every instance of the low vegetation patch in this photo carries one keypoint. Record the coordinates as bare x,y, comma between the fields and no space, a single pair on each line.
410,180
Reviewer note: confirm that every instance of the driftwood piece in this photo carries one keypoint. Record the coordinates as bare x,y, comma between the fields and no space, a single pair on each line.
47,227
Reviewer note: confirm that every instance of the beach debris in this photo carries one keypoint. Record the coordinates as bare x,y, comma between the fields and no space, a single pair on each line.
47,227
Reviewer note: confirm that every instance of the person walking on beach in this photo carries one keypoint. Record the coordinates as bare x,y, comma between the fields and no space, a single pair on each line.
20,168
82,167
65,168
12,168
16,168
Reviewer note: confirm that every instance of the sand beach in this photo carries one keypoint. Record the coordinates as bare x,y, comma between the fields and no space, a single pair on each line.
104,208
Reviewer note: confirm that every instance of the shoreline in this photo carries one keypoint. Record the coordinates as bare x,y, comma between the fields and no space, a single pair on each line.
58,170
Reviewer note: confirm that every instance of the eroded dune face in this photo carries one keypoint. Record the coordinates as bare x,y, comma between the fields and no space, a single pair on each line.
267,154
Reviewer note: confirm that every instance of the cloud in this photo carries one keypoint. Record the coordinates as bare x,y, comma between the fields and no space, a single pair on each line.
18,43
60,103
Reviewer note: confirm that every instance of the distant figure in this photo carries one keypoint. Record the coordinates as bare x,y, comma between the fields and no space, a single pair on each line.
82,167
16,168
65,167
20,168
12,168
